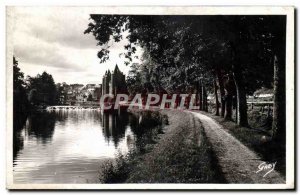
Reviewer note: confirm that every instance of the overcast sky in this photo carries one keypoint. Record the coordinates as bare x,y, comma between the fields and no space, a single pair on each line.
52,40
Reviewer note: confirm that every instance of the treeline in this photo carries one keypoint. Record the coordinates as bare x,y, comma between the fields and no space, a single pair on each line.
231,55
33,92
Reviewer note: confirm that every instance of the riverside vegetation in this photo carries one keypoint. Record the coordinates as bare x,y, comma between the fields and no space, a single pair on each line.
174,150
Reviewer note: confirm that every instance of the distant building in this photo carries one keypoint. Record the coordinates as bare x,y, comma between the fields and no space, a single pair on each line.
76,87
114,83
90,86
106,82
97,92
263,94
81,97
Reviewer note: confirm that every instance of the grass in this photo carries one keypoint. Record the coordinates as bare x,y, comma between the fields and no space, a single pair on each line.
179,154
257,137
115,171
147,129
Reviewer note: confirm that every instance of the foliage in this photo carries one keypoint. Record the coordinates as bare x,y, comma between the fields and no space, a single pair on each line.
185,49
90,97
42,89
60,92
20,103
117,171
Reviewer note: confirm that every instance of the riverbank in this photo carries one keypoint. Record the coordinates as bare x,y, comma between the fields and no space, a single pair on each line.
238,163
179,154
258,140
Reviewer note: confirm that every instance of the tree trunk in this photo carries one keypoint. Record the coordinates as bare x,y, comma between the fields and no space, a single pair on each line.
206,102
200,97
278,126
229,91
241,100
228,107
222,92
204,99
236,110
217,99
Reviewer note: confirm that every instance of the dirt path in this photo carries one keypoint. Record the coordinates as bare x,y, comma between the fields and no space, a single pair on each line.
181,154
237,162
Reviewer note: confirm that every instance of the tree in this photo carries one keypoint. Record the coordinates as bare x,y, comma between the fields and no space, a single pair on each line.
279,107
90,97
60,94
20,103
216,98
42,89
265,38
133,79
33,97
188,48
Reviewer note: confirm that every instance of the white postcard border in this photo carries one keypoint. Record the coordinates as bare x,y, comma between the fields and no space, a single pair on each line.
165,10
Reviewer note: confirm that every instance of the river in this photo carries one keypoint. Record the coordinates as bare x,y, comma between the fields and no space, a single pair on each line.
69,146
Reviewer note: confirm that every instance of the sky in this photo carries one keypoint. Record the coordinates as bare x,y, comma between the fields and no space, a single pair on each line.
51,39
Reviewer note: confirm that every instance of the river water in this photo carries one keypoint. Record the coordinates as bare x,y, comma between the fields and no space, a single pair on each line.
70,146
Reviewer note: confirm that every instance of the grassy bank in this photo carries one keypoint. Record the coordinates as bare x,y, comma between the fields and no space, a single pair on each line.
257,138
174,151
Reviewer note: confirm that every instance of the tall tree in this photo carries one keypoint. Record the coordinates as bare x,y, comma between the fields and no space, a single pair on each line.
20,103
187,48
279,107
42,89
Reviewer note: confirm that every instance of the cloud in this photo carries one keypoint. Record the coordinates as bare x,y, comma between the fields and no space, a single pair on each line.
64,32
40,53
51,39
59,26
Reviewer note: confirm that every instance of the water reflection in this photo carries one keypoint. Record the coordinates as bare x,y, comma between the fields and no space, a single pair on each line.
18,125
69,146
114,126
41,126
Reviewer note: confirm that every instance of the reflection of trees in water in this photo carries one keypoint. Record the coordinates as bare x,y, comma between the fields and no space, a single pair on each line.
114,126
96,116
19,121
134,125
41,125
146,126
